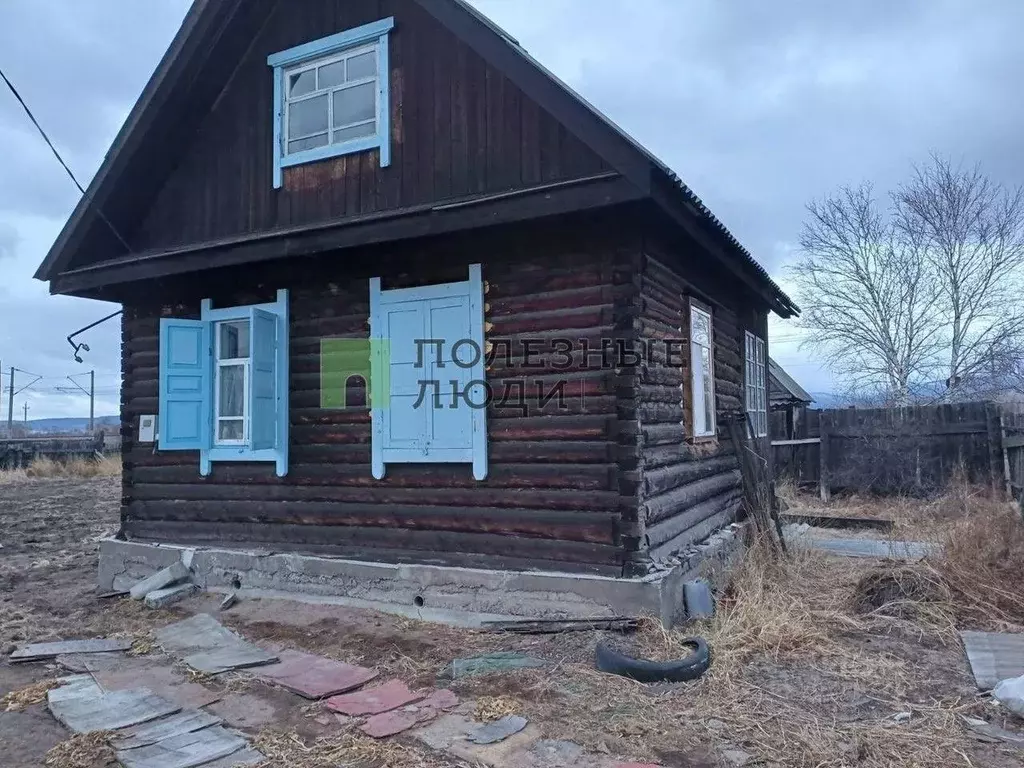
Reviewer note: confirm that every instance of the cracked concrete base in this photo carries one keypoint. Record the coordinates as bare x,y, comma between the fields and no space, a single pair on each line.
464,596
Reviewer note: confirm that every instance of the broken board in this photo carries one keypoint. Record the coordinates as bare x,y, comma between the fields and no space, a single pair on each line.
40,651
150,733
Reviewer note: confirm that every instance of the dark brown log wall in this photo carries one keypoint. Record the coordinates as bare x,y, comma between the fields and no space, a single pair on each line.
459,128
686,487
552,496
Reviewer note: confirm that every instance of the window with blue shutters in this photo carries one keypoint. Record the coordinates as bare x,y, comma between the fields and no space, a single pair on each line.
224,384
429,350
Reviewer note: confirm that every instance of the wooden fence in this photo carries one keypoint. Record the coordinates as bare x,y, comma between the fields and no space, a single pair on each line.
908,450
19,452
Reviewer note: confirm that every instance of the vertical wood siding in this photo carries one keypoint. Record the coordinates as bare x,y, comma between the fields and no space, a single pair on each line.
458,128
551,499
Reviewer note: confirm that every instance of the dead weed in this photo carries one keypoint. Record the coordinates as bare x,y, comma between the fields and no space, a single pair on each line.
16,701
105,466
83,750
287,748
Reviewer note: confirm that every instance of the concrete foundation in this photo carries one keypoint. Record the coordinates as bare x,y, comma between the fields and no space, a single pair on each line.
464,596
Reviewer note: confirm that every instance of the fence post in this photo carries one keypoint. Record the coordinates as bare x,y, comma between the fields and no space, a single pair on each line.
825,427
1007,477
995,444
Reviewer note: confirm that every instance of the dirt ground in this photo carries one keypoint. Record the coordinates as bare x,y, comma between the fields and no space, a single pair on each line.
800,675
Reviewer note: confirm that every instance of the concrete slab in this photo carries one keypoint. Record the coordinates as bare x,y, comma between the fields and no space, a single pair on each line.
111,711
186,750
876,548
499,730
40,651
162,578
456,595
371,701
161,598
314,677
158,730
994,656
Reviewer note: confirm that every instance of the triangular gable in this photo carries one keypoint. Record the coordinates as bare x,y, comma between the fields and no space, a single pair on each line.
190,79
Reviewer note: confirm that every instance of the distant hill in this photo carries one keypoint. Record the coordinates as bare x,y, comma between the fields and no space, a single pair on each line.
69,425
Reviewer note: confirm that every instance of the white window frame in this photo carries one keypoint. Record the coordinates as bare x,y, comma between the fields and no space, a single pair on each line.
232,362
315,64
704,388
756,384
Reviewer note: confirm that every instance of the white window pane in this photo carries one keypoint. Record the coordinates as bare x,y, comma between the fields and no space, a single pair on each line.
363,65
301,83
231,391
312,142
700,327
332,74
355,105
307,117
230,430
354,132
234,340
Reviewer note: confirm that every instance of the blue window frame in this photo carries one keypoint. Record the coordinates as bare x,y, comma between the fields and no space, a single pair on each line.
430,353
224,384
331,97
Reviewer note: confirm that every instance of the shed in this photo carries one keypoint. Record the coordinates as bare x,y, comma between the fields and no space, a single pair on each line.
397,295
787,397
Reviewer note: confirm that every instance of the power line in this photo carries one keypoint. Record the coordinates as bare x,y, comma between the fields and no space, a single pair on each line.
59,158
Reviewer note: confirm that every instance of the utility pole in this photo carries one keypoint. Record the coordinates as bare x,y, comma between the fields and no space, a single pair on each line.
92,401
10,406
26,413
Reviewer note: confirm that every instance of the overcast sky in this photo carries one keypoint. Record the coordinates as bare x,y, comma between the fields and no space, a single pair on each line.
759,106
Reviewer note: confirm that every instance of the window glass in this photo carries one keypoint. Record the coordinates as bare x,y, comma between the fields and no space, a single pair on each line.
363,65
230,429
234,340
354,132
232,390
332,74
702,371
355,104
307,117
311,142
302,83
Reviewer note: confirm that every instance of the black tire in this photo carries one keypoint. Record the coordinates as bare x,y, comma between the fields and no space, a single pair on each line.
643,671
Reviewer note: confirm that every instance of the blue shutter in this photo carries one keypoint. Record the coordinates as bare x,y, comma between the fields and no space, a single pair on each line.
186,405
404,423
263,408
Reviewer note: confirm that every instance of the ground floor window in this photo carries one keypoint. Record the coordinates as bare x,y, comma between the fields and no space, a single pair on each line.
702,371
757,397
232,385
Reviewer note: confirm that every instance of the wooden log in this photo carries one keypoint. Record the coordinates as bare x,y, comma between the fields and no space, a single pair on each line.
662,480
478,550
672,530
542,499
698,532
671,503
592,477
566,526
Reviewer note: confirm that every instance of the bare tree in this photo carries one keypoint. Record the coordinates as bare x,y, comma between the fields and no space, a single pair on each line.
929,289
972,230
867,295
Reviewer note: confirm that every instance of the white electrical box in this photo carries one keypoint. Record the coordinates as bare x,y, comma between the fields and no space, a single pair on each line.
147,429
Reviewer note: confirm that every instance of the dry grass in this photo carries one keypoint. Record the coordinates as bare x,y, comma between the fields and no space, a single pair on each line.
286,749
83,750
106,466
491,708
16,701
12,476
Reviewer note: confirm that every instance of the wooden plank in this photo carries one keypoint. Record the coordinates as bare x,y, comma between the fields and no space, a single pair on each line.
39,651
825,435
798,441
556,626
1014,441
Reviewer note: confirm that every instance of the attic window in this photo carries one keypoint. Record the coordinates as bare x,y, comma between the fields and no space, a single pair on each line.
331,97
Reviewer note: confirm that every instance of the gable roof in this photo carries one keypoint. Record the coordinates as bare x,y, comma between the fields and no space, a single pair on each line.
783,387
204,25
